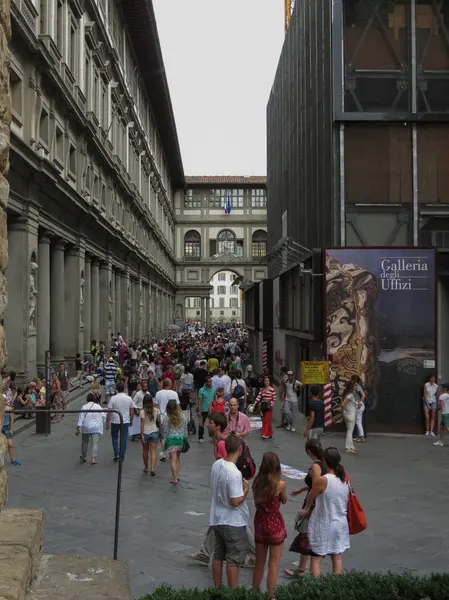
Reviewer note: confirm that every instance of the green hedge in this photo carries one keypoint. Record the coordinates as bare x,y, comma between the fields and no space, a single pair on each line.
351,586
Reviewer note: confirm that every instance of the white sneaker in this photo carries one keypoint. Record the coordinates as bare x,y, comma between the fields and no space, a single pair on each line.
432,434
293,429
288,428
201,441
427,433
438,443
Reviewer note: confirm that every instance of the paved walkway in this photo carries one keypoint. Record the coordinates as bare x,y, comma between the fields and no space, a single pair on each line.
401,481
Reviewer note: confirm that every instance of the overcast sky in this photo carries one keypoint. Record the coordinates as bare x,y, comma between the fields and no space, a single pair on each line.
221,58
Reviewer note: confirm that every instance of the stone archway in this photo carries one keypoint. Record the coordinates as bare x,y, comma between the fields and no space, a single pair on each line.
225,301
227,266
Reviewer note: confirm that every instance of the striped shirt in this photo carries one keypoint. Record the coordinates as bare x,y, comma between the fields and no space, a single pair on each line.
110,370
267,395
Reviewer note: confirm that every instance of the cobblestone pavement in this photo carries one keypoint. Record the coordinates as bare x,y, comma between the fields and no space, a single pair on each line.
401,481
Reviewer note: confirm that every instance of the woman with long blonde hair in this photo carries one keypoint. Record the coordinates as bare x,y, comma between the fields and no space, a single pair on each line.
269,492
95,388
150,421
174,435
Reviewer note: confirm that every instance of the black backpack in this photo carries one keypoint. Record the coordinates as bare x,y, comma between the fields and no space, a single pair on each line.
239,390
245,463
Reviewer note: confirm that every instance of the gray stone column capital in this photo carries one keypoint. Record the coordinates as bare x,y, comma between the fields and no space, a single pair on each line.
44,238
73,251
58,244
19,224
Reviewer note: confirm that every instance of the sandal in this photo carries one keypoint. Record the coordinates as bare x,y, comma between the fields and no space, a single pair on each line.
174,481
292,573
82,460
145,471
94,461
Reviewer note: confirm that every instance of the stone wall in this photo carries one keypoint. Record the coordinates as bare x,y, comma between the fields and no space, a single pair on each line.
5,119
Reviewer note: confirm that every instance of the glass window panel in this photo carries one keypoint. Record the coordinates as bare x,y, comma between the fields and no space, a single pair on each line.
192,199
226,242
378,164
258,199
376,41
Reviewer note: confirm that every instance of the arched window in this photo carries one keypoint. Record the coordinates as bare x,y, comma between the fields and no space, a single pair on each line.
226,242
259,244
192,245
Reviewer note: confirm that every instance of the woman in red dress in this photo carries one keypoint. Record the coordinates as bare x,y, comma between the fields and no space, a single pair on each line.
269,528
266,398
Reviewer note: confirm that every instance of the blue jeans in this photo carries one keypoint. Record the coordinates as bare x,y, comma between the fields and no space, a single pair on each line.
115,434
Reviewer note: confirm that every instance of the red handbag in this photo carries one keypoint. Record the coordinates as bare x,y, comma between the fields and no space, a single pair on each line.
356,515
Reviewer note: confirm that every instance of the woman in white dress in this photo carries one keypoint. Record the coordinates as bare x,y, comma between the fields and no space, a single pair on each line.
328,525
430,404
349,411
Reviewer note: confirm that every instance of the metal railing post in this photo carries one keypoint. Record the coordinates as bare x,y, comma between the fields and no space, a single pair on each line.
120,462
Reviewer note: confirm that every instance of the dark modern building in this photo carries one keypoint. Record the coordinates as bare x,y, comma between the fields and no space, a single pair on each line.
358,156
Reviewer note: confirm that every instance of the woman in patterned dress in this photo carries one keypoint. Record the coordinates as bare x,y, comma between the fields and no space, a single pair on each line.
174,434
269,528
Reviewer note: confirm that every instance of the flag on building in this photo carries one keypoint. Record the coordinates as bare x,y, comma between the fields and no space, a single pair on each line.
227,207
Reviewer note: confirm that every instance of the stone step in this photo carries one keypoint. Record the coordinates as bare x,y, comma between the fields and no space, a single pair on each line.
75,577
21,533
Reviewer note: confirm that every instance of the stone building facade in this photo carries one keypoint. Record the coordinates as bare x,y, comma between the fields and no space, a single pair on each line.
209,241
5,117
225,303
95,161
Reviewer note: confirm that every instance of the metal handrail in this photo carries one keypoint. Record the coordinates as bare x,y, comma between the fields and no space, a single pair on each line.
120,462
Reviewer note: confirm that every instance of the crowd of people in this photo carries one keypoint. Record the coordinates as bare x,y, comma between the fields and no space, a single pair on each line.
153,390
158,387
322,523
29,398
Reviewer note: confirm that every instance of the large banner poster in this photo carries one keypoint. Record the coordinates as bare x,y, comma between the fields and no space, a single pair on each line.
380,311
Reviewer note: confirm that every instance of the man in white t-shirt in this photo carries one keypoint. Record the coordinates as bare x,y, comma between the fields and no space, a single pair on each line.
229,514
164,396
124,404
139,396
227,383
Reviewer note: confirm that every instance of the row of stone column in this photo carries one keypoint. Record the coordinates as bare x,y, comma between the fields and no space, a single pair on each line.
62,296
205,309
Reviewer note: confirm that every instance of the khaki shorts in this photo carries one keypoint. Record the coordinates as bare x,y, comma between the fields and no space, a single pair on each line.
231,545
